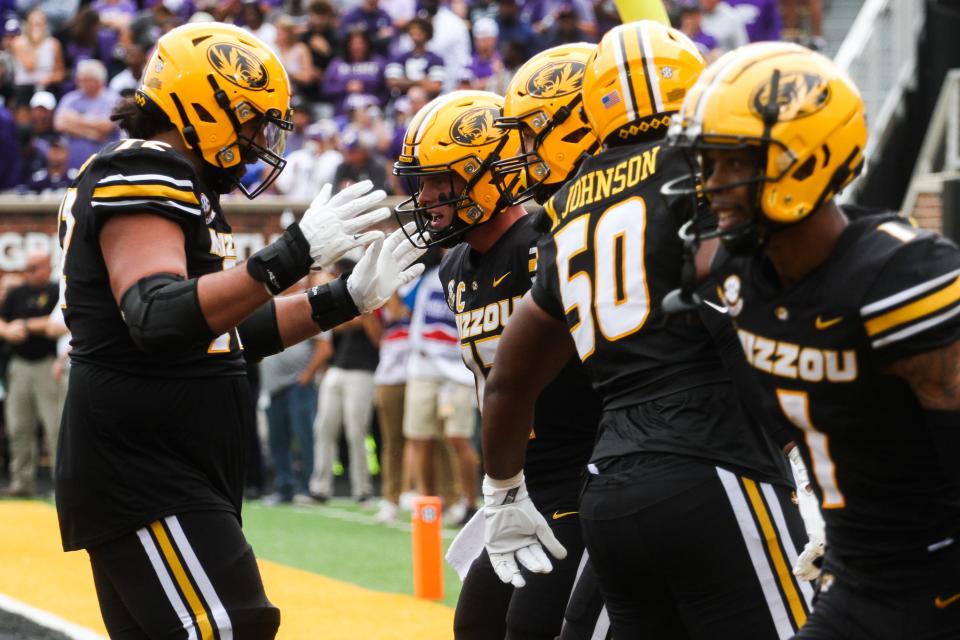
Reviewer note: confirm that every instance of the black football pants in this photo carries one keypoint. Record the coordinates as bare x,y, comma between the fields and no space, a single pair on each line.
887,606
186,577
709,560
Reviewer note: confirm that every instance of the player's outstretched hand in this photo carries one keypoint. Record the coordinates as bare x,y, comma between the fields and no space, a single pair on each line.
515,531
384,268
806,568
334,225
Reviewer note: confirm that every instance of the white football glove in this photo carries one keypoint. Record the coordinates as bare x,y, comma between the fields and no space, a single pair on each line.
333,227
515,530
383,269
809,507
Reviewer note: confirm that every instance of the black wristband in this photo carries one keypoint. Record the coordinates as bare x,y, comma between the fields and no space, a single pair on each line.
260,333
282,263
331,304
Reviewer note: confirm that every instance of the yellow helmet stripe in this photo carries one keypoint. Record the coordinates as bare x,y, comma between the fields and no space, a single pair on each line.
650,68
421,127
721,74
623,69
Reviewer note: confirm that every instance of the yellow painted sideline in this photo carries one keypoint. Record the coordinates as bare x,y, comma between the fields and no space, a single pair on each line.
35,571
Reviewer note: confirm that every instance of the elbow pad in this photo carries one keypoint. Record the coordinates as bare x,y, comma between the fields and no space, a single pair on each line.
163,313
260,333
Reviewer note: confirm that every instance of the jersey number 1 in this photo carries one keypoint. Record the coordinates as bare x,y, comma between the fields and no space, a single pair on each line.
616,293
796,406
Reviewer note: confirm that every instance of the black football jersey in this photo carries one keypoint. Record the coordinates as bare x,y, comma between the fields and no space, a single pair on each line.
611,256
137,176
819,351
482,291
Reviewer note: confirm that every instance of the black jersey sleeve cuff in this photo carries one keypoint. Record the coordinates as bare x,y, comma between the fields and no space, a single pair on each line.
547,302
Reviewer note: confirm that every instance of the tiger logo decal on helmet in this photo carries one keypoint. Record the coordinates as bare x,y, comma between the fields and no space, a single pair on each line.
475,127
799,94
543,103
238,65
556,79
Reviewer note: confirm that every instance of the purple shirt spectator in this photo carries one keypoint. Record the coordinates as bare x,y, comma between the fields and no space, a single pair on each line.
513,29
534,12
761,17
480,68
343,76
114,9
416,67
372,20
704,43
10,161
369,21
83,115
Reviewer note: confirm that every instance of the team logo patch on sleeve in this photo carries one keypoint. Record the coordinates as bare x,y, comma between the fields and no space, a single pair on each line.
730,294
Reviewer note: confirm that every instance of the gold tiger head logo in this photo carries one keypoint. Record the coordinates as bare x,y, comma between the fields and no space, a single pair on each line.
475,128
556,79
799,95
238,65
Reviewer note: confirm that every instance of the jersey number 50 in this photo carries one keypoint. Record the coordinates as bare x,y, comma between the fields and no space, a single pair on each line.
615,293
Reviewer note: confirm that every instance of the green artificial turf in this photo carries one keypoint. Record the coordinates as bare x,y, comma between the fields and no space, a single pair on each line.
371,555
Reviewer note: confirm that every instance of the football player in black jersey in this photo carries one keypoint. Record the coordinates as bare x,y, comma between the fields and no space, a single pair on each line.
687,514
850,324
150,466
448,151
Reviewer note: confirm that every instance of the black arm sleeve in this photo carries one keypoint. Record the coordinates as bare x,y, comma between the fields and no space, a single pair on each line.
260,333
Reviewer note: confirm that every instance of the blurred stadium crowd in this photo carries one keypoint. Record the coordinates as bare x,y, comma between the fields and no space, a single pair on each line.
361,70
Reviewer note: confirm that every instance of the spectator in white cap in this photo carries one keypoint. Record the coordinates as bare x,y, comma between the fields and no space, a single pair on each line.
486,65
83,114
42,106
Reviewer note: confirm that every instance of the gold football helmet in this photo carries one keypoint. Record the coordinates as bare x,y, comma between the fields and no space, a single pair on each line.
801,114
542,102
454,135
228,95
638,76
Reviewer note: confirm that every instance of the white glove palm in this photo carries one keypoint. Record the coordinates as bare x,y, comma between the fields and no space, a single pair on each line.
333,227
383,269
807,502
515,531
